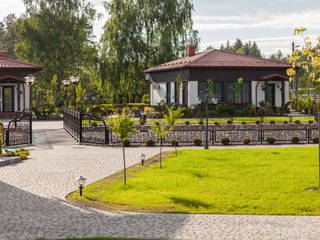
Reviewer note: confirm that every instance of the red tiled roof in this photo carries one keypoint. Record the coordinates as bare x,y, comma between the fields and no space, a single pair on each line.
219,59
274,75
7,63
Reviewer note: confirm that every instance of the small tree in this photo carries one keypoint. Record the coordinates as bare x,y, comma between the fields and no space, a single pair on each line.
123,127
171,119
161,131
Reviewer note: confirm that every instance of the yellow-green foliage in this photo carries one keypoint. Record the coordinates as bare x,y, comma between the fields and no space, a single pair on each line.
22,153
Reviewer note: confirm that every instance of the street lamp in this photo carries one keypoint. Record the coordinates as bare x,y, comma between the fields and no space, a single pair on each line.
205,97
74,79
143,159
30,80
81,181
66,83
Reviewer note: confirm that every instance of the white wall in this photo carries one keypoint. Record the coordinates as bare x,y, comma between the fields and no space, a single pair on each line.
158,94
260,93
192,93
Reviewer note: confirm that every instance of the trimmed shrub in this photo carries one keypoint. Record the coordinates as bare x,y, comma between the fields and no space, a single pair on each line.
94,124
187,123
200,122
297,121
295,140
258,122
150,143
285,122
271,140
315,140
243,123
174,143
229,122
310,121
216,123
126,143
261,112
272,122
246,141
197,142
225,141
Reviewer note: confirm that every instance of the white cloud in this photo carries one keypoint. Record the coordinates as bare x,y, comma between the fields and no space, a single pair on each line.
308,18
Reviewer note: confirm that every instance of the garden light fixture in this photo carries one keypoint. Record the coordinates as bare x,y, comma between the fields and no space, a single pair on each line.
81,181
143,159
74,79
30,79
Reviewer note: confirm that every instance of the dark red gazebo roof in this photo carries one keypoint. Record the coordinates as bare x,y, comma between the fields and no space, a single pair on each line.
219,59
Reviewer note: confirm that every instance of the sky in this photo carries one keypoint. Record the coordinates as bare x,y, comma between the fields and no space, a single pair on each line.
270,23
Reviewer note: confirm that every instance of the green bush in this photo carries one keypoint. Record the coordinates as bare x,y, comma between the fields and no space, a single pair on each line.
315,140
94,124
145,99
150,143
201,122
246,141
187,123
271,140
285,122
126,143
225,141
297,122
261,112
197,142
272,122
295,140
22,153
310,121
187,112
229,121
175,143
258,122
224,109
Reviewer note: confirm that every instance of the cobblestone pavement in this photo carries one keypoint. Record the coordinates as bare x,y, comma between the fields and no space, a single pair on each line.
32,201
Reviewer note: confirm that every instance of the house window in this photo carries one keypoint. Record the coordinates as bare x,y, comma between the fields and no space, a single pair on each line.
175,93
168,94
203,85
238,94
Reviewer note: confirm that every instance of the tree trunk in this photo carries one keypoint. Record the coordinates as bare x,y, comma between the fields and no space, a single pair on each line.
160,153
124,166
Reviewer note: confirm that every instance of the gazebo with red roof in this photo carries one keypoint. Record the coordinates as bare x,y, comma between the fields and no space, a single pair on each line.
263,79
14,92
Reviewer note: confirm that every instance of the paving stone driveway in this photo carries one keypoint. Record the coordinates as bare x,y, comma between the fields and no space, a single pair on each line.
32,201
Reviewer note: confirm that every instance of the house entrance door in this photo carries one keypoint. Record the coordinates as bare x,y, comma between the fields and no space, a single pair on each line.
7,98
271,92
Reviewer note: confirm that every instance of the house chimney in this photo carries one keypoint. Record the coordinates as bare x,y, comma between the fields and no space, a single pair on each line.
4,54
191,50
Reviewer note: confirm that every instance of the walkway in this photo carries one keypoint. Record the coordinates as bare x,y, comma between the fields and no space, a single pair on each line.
32,201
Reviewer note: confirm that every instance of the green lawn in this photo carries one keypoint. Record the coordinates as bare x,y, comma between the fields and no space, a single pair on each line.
226,181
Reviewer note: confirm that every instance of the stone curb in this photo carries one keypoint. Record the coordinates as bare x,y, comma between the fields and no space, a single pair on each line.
9,160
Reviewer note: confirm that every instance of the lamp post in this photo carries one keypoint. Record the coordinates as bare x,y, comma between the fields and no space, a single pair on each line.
66,83
205,97
74,79
143,159
30,80
81,181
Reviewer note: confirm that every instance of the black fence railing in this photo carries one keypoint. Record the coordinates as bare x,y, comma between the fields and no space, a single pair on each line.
18,131
86,128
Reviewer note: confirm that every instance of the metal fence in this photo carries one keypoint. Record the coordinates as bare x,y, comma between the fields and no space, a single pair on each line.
86,128
19,131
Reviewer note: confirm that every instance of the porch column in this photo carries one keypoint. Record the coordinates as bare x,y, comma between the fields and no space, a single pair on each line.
18,95
266,97
282,92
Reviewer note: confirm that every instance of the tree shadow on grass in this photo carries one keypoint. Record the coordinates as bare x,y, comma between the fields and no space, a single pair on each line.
190,203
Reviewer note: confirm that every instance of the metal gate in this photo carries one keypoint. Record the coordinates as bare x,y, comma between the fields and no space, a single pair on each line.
19,131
